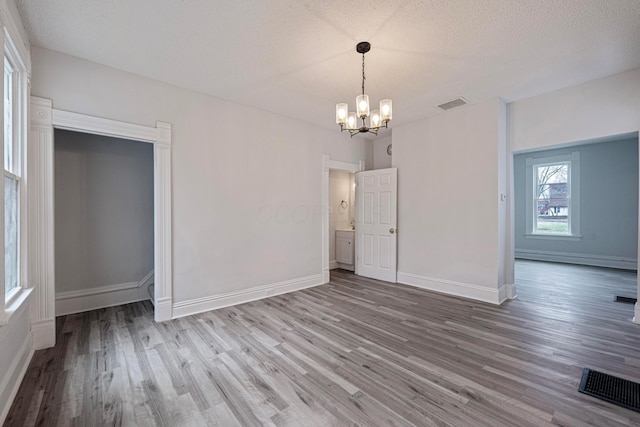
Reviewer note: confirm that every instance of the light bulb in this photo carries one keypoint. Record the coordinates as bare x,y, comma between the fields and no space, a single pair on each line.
375,119
386,109
362,105
352,121
341,113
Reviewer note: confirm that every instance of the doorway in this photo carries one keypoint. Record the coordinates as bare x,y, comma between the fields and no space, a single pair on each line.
594,237
342,220
44,118
103,221
329,165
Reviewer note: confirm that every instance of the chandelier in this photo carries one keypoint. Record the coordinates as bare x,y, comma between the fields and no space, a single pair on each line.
377,118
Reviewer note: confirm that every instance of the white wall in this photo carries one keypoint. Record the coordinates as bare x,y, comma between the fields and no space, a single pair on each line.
449,181
246,183
16,350
597,109
103,211
340,186
381,160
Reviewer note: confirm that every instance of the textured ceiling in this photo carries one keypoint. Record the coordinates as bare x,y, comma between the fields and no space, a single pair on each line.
297,57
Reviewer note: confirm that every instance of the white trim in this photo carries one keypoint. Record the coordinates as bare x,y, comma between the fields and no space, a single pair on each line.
90,299
143,284
20,46
146,280
99,126
326,275
15,374
553,236
573,181
43,333
511,290
636,313
345,166
60,296
213,302
459,289
576,258
333,264
15,304
348,267
41,223
162,307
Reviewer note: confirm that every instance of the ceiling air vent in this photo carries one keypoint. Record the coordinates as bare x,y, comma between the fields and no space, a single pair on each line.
453,103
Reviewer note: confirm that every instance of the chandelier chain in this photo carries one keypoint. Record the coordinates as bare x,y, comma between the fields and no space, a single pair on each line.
363,77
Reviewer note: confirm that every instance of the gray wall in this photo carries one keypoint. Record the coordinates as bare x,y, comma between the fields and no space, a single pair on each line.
103,210
608,205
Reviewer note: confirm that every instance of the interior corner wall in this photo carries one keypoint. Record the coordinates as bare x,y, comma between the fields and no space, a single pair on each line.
448,192
608,207
246,198
381,159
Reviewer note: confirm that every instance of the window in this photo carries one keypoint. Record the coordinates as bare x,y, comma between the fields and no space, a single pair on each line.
553,196
11,188
14,91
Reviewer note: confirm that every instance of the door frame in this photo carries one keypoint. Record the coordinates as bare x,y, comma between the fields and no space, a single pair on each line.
41,199
327,166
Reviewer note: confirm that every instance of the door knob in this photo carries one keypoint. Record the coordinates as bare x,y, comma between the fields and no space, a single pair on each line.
391,230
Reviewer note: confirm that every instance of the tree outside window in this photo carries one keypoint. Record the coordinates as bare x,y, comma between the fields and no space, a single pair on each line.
552,199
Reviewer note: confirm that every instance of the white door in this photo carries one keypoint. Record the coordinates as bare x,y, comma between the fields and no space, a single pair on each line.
376,222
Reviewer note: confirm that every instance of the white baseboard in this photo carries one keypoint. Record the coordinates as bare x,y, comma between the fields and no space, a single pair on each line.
143,284
636,313
333,264
464,290
91,299
43,333
512,291
162,309
199,305
71,302
574,258
15,374
348,267
326,276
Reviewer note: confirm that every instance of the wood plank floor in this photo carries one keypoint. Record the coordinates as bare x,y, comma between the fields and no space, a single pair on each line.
352,352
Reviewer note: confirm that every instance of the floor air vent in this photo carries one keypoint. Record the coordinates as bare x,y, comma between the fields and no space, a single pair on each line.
626,299
615,390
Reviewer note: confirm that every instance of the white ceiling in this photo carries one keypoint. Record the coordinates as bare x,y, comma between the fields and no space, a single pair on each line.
297,57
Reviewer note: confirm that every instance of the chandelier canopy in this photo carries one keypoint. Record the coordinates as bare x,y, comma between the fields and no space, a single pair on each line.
376,119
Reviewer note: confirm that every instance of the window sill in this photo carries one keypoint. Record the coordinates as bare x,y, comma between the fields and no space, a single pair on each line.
16,304
553,236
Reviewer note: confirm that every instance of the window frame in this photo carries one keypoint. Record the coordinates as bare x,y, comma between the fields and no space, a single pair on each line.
13,300
573,182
